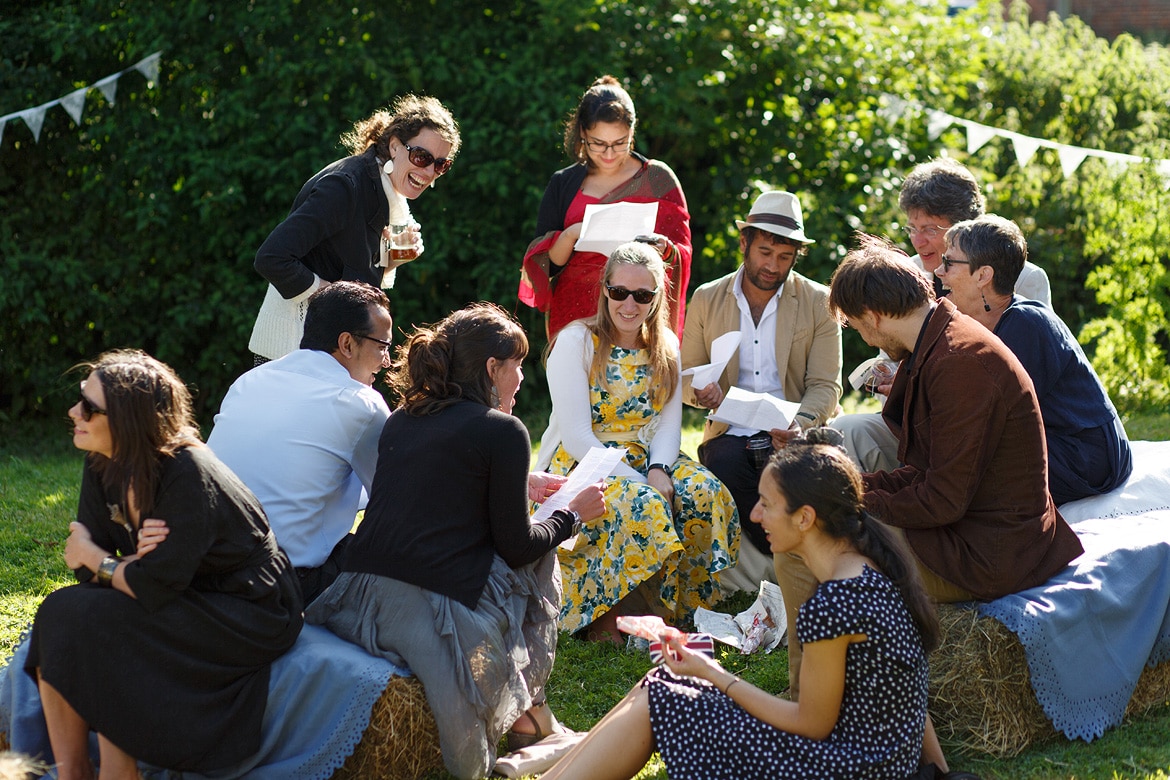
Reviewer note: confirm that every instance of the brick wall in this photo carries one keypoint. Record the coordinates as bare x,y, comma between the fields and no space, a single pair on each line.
1109,18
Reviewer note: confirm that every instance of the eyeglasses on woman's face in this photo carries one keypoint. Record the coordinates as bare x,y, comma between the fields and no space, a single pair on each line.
88,407
421,158
947,262
601,147
619,294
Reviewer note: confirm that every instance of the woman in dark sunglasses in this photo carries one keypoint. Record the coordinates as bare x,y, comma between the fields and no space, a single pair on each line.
184,599
669,524
340,223
599,137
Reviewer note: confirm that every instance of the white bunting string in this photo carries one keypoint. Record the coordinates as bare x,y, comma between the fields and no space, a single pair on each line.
74,102
894,108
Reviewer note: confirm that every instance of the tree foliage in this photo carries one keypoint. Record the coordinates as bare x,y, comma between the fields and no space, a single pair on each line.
139,227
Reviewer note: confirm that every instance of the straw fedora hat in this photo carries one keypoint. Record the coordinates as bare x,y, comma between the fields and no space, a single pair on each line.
777,212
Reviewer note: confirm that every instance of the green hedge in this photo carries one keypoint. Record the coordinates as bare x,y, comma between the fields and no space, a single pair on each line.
139,227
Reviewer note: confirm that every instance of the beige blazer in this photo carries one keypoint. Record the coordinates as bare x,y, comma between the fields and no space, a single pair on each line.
808,345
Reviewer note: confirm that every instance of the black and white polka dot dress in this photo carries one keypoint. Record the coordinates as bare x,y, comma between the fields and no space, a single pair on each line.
704,735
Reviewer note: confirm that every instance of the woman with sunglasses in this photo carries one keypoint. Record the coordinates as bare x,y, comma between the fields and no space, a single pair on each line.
446,573
185,598
599,137
670,524
339,225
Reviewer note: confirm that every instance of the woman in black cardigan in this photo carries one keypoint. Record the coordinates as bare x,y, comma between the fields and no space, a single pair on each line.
446,573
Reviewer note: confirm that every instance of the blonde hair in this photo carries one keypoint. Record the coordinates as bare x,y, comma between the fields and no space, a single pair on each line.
656,330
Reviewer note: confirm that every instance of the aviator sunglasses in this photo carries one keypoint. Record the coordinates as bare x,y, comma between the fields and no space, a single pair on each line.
88,408
621,293
422,158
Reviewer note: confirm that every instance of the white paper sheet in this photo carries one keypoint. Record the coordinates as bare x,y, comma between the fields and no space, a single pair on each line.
597,464
759,411
607,226
722,350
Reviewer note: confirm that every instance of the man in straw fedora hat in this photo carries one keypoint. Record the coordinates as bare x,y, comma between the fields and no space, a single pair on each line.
789,347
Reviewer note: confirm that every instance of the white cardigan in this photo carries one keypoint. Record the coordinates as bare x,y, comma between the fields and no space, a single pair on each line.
571,421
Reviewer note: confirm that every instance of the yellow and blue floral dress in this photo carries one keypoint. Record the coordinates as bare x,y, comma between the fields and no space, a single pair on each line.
639,536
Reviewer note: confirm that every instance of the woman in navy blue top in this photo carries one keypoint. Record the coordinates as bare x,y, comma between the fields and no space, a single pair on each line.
1088,452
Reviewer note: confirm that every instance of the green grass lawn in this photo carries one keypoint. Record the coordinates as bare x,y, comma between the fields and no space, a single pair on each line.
40,474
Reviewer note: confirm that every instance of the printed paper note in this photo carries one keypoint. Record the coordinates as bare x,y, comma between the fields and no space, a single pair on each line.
609,225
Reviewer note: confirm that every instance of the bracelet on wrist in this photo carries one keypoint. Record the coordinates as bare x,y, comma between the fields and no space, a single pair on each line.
105,572
734,680
575,527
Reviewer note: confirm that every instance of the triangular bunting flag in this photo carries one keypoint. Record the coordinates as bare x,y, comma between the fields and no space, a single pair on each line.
148,66
1025,147
1116,161
35,117
109,87
3,122
894,109
936,122
1164,171
1071,158
73,103
978,135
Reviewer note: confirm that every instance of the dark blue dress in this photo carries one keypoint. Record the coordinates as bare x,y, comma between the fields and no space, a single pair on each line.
701,733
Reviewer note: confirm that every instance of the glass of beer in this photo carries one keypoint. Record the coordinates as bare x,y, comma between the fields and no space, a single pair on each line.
403,242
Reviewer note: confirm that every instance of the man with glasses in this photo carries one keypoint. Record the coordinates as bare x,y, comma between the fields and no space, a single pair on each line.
789,347
972,499
938,194
302,431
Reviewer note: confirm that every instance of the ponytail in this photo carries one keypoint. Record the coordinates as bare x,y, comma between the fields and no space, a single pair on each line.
877,542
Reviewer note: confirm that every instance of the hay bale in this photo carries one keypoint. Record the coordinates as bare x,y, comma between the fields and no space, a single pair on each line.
981,692
401,742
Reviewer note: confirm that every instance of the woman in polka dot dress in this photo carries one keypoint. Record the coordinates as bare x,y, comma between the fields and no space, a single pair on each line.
865,632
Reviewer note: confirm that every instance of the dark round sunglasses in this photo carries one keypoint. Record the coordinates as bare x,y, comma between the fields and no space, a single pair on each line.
621,293
88,408
422,158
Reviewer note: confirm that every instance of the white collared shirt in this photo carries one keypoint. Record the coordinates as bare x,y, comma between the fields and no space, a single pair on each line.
302,434
758,371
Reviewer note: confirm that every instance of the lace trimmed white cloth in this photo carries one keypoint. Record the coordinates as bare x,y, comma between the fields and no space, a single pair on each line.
1090,631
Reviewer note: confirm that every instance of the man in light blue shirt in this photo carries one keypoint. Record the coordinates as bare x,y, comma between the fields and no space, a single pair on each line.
302,431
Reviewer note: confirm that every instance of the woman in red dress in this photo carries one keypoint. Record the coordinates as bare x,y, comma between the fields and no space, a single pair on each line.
600,136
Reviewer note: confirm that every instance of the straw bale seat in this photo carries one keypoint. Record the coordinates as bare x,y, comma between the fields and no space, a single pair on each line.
402,740
981,691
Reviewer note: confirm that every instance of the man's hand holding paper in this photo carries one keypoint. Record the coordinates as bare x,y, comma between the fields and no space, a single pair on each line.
759,411
705,378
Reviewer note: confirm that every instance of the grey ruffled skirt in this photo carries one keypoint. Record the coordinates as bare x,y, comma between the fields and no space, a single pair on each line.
481,668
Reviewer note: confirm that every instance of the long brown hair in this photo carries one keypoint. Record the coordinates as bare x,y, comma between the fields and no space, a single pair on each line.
447,362
655,330
149,412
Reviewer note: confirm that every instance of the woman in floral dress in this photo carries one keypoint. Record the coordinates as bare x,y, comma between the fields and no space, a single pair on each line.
670,524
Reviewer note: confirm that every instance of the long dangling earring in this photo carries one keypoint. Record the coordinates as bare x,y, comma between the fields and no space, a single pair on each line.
986,305
495,397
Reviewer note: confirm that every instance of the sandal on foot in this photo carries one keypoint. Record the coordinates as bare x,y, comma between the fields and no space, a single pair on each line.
518,740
